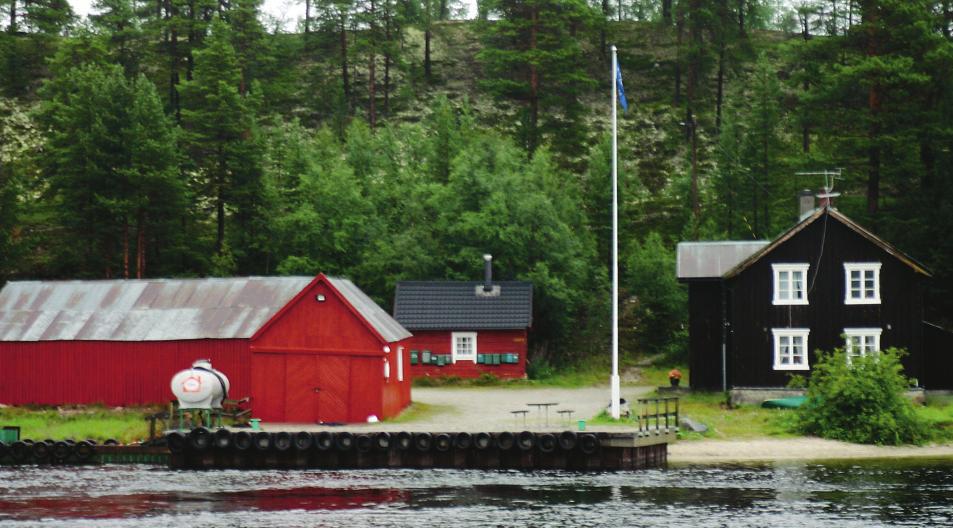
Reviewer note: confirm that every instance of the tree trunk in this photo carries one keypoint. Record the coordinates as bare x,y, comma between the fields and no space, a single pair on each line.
307,18
387,51
947,18
741,18
679,29
220,203
371,80
603,44
125,248
444,11
190,64
141,245
533,83
805,126
667,12
13,17
720,94
427,37
344,75
871,19
619,14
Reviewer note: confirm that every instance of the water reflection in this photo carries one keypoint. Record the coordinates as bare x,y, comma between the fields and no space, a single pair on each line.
877,493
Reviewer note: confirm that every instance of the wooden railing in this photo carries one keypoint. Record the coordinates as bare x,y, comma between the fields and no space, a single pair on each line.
656,414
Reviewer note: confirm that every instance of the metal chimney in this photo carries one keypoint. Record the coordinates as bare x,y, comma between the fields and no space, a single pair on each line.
805,202
488,272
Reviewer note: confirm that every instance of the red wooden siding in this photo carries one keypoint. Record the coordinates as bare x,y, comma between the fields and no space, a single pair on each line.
111,372
488,342
328,326
320,362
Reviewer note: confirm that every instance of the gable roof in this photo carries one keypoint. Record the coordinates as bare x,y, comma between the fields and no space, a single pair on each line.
704,260
458,305
385,325
154,309
827,212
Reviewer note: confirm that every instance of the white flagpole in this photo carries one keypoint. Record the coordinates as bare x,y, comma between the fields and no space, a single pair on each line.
614,380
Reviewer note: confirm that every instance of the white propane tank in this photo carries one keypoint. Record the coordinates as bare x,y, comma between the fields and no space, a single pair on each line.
200,387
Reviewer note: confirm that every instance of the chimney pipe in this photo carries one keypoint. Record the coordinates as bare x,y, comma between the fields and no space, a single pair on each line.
805,202
488,272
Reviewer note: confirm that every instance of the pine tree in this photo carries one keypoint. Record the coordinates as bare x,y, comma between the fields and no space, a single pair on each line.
220,127
532,57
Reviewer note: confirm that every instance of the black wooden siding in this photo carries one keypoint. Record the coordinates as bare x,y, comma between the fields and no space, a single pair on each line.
753,316
938,351
704,334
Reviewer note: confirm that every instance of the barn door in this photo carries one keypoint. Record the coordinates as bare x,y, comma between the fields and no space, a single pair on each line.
302,394
334,373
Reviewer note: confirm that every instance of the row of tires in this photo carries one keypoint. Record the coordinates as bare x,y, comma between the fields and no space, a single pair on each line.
203,439
48,451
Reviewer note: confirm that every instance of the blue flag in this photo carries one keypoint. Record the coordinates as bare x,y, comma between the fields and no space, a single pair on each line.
618,82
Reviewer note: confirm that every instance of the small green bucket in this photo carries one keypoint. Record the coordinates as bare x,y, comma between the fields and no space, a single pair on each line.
255,424
582,425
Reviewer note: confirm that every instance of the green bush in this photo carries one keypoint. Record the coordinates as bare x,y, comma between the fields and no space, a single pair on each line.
861,401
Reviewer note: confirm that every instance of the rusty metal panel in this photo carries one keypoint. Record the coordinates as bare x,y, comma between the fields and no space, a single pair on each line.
700,260
143,310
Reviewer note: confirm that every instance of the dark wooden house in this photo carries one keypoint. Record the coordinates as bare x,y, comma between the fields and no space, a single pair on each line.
305,349
466,328
758,310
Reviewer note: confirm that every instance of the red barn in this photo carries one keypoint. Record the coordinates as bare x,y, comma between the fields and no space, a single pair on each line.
304,349
465,328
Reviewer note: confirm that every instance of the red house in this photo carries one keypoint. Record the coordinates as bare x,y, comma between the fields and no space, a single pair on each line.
464,328
304,349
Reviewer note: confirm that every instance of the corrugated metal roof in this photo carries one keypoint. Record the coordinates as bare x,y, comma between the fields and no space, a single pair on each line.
446,305
142,310
702,260
385,325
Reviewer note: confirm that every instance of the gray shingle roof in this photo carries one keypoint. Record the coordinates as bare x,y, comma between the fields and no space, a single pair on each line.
161,309
456,305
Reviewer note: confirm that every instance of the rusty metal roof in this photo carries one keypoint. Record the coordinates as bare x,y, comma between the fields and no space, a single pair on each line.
705,260
142,310
385,325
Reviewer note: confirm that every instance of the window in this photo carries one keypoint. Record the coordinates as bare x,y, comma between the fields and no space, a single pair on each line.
790,283
861,283
790,348
400,363
464,346
861,341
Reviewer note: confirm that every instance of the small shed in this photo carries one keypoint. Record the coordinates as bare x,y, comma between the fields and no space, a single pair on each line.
305,349
466,328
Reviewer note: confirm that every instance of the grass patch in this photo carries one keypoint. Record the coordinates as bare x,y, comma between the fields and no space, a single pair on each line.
657,376
97,423
418,411
739,422
937,411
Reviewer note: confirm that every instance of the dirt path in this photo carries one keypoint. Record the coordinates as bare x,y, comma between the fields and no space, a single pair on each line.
488,409
781,449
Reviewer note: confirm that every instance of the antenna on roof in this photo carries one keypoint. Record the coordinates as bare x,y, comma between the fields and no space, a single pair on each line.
830,176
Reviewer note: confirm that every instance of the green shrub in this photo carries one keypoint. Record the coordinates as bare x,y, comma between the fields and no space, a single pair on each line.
861,401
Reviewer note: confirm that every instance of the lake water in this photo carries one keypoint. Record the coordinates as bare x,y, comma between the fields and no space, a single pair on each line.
802,495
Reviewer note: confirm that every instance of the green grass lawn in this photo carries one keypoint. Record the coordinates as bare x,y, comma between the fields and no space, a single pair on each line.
97,423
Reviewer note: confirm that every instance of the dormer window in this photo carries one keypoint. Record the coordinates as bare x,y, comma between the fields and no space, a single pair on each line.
861,283
790,283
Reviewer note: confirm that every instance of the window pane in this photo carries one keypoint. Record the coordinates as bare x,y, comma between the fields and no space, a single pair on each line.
798,286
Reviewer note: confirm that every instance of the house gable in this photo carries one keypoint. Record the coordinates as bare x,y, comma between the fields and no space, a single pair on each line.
330,325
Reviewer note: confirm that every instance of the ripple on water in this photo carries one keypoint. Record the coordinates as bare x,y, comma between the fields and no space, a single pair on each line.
805,495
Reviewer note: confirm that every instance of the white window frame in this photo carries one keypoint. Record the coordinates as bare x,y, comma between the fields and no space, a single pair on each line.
455,354
861,333
400,363
862,267
776,270
791,333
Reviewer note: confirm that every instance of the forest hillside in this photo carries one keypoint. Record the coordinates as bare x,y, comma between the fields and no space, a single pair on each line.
383,140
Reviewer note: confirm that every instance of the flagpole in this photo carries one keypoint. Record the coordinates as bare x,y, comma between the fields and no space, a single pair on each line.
614,380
